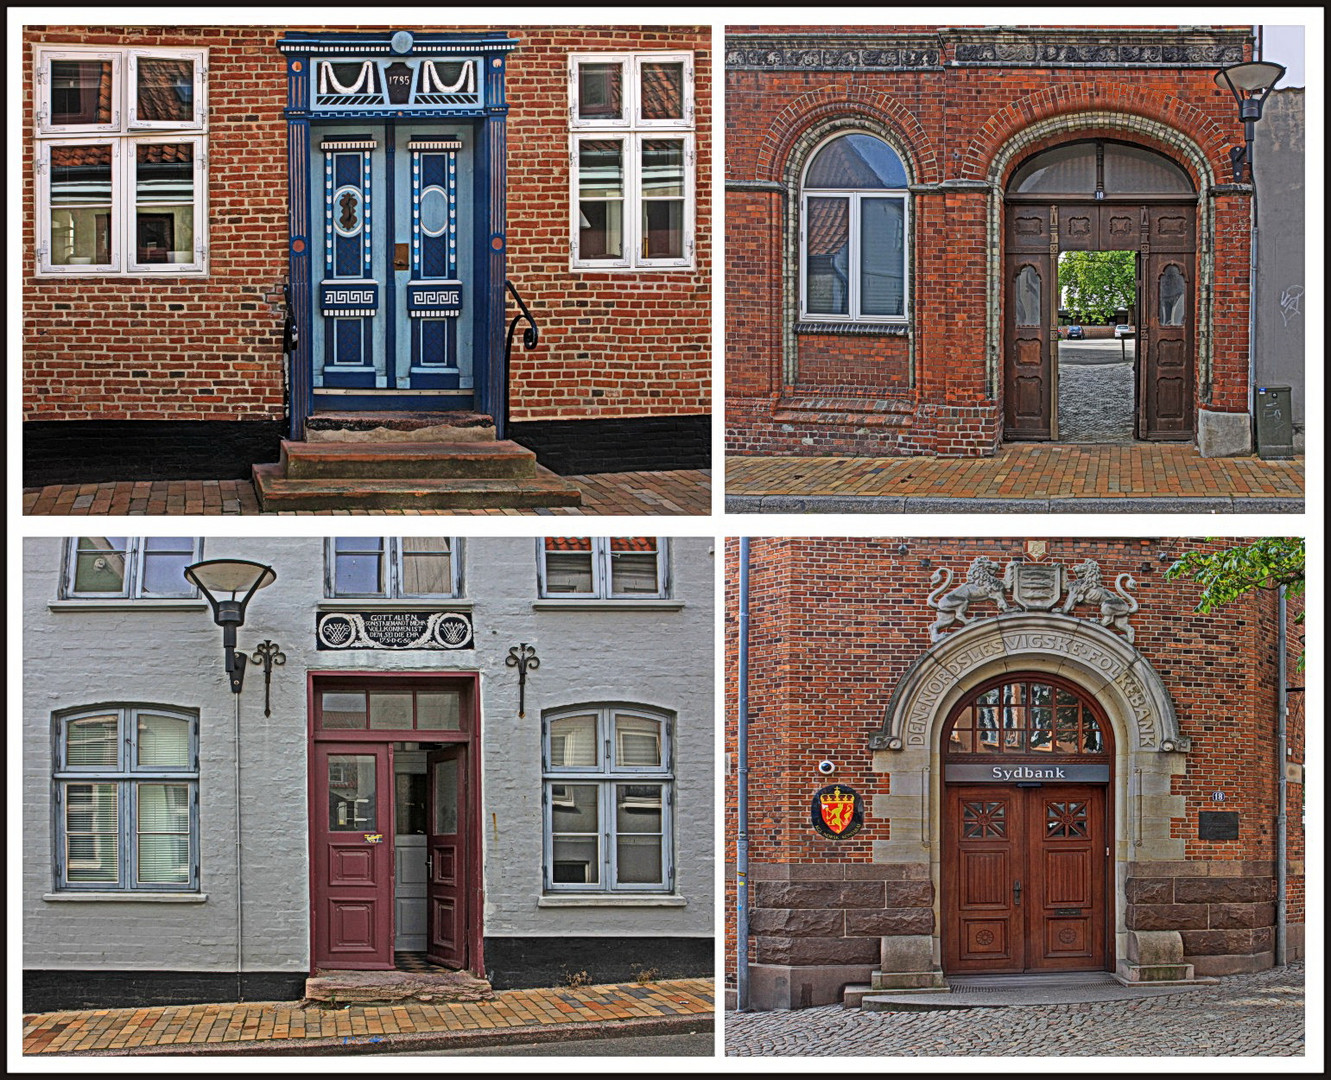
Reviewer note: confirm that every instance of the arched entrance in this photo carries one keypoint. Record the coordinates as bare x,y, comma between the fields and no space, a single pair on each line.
1101,196
1027,829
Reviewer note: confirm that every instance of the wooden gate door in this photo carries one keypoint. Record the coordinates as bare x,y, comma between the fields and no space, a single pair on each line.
351,818
1031,321
447,812
1024,879
1165,323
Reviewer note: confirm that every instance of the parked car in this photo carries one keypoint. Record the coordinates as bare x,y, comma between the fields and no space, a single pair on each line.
1123,330
1075,331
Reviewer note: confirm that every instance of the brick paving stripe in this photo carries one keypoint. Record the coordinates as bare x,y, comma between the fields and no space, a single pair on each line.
685,491
185,1026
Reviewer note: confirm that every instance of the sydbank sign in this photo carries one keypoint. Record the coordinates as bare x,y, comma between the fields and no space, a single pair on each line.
1014,774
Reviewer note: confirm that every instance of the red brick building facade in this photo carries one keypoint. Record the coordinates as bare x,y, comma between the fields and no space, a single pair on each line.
160,329
941,682
911,307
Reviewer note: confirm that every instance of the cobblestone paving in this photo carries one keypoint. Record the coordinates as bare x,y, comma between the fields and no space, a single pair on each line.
1095,391
1243,1015
684,491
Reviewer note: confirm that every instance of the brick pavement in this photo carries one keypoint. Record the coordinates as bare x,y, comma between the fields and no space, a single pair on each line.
1024,471
685,491
513,1015
1260,1015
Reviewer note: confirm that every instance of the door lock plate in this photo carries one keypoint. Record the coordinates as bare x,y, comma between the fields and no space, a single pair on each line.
401,257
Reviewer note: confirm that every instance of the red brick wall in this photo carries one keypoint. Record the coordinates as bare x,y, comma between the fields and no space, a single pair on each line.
951,123
835,623
625,344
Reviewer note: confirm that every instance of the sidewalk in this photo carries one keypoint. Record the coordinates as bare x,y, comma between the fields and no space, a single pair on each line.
685,491
283,1027
1027,478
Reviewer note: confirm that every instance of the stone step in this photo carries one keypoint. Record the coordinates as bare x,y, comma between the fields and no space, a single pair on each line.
391,426
406,460
277,492
339,988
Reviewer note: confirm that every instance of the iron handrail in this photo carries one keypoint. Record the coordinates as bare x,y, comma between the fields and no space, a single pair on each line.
531,336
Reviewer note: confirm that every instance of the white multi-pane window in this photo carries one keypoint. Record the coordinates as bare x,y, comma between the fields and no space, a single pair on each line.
390,567
122,172
607,568
632,160
608,800
126,795
853,235
129,567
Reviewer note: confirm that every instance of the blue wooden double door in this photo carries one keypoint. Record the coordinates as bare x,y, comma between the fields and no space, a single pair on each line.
392,264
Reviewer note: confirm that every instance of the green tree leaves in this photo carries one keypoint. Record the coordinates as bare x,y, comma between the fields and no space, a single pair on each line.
1094,285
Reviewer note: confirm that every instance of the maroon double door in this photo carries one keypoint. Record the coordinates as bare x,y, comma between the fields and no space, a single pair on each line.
354,790
1024,878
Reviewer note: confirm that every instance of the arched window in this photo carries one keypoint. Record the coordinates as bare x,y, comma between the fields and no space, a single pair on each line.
853,245
1031,715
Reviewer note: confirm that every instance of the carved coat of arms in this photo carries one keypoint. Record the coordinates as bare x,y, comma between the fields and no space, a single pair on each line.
1032,587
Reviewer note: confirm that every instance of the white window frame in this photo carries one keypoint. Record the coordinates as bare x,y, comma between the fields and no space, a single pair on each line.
133,587
854,196
392,554
602,558
607,775
123,134
128,776
632,130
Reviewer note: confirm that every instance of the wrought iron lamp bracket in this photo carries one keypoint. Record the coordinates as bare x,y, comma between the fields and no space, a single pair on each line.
524,658
269,655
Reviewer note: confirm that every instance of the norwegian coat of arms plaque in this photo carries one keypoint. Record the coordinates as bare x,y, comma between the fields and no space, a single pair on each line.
838,811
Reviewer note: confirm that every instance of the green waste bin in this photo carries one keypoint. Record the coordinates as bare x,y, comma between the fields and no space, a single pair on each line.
1275,423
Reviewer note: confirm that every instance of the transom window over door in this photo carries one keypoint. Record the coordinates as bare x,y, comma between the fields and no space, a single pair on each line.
1030,715
853,239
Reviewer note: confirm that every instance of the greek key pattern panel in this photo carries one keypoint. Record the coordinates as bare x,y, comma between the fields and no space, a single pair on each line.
345,301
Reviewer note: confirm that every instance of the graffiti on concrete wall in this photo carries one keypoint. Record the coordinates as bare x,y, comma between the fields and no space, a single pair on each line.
1291,302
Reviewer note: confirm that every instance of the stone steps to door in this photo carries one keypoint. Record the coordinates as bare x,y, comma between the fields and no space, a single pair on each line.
406,460
399,426
338,988
277,492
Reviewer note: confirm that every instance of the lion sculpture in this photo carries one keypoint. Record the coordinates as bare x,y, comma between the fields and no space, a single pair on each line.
982,583
1088,587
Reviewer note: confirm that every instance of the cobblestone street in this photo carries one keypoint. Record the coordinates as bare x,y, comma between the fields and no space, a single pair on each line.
1095,392
1243,1015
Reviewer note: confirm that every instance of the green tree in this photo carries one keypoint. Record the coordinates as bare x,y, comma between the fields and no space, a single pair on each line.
1095,285
1230,572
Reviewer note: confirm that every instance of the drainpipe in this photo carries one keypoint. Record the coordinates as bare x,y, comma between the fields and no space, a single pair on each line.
1282,785
1251,143
240,937
742,832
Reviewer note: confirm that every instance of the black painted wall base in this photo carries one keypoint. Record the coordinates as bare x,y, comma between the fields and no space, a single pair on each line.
635,444
53,991
515,963
102,451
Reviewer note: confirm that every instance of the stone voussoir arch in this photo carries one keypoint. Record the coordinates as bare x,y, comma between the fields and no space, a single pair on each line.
1090,655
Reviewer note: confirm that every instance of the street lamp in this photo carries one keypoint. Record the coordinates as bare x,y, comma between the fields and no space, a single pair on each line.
1250,84
234,576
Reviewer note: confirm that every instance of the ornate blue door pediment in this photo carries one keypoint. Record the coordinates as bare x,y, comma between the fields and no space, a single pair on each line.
398,246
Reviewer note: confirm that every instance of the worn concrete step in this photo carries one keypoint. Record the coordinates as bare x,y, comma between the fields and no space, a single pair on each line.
277,492
392,426
339,988
406,460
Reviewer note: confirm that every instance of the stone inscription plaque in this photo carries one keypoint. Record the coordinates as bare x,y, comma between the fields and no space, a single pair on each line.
1218,825
394,630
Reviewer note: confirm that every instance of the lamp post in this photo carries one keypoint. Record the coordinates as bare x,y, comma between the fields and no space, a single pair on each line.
1250,84
215,577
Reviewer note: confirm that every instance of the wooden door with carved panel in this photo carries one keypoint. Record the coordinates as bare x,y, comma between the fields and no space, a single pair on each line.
1024,878
1031,302
1165,324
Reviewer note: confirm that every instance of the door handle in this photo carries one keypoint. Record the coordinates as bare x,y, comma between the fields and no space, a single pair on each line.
1016,892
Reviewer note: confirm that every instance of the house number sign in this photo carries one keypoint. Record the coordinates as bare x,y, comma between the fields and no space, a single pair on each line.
395,630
